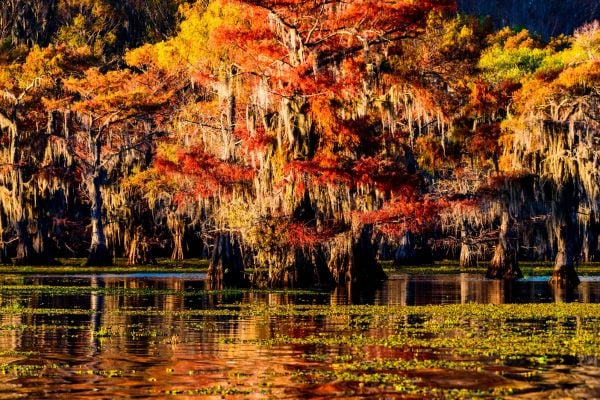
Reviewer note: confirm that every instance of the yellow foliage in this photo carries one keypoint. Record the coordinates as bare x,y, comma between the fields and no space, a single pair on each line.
580,75
193,48
92,26
168,151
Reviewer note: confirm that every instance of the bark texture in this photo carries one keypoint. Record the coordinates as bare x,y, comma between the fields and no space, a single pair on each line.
226,268
467,258
406,253
352,259
99,253
140,251
566,231
504,264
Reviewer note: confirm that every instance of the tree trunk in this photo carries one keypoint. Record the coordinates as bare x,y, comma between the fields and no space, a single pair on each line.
99,254
25,253
406,253
504,264
229,116
567,238
353,260
292,268
140,251
4,257
590,250
177,229
226,267
310,269
344,259
44,248
279,265
564,273
467,257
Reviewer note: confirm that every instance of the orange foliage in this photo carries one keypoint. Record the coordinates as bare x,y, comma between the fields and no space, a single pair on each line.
300,235
209,175
404,213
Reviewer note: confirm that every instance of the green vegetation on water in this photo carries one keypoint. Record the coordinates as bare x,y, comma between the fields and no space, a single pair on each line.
77,266
366,349
172,337
529,268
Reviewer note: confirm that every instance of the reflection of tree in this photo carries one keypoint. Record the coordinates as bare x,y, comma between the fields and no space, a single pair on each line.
171,346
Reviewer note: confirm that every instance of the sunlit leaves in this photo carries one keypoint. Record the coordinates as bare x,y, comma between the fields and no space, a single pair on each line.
512,56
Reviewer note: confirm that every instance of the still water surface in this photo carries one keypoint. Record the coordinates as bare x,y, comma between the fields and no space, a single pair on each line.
164,336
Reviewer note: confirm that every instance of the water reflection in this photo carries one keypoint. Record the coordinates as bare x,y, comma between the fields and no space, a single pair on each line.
399,289
114,336
409,290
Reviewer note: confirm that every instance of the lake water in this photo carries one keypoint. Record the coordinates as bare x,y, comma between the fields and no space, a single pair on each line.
164,336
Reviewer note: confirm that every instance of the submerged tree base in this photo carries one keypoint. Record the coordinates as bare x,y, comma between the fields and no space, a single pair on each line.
227,264
507,273
504,266
352,259
565,276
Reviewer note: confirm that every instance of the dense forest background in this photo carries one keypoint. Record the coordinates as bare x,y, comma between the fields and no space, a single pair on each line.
547,18
300,144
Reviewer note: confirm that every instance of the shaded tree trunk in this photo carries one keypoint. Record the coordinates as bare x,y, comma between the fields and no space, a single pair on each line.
467,257
99,254
229,116
310,269
590,250
140,251
296,266
352,260
564,273
345,259
25,254
28,250
293,268
566,231
406,253
177,230
226,268
504,264
4,258
45,249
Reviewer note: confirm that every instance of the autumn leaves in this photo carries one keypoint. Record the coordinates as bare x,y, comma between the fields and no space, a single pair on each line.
297,129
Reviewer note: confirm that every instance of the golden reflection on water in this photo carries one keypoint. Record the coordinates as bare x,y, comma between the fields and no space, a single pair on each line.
115,345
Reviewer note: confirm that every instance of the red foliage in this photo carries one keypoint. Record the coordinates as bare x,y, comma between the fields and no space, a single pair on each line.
319,56
254,142
209,175
484,142
300,235
404,213
320,171
381,174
